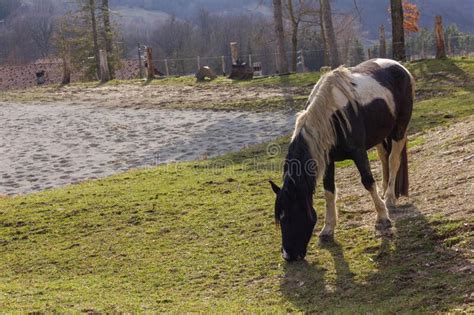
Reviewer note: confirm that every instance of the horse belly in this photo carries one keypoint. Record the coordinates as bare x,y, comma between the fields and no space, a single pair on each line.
378,121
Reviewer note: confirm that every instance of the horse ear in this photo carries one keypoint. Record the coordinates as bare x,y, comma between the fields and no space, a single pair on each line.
275,188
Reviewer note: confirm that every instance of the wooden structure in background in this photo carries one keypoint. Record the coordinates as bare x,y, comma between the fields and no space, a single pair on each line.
398,32
439,34
149,64
234,51
104,66
67,67
383,43
205,72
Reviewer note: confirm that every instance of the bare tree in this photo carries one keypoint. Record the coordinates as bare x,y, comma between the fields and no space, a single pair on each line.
398,34
439,35
282,62
347,29
107,34
323,36
296,13
94,34
7,7
40,23
330,37
382,42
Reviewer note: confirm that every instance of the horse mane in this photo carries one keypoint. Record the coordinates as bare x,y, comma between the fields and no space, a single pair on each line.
316,123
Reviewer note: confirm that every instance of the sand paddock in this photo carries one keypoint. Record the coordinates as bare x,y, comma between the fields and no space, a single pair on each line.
46,146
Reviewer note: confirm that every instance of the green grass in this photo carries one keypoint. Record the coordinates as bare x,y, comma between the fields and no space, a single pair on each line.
437,78
200,237
291,103
442,110
291,80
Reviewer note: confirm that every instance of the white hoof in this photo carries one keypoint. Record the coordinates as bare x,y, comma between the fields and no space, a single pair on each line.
327,234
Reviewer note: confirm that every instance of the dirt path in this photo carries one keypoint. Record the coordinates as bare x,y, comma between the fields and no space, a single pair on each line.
45,146
441,172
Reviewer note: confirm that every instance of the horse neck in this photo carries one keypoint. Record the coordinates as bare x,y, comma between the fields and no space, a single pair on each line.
316,123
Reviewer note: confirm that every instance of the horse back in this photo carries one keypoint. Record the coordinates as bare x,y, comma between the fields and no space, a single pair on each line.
395,88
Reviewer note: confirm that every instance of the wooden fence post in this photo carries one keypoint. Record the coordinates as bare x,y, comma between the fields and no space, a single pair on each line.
234,51
439,33
140,67
166,68
104,66
223,65
250,61
302,61
67,66
150,66
199,62
383,44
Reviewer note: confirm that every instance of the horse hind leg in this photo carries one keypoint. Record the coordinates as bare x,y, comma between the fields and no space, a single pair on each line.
394,165
362,162
383,156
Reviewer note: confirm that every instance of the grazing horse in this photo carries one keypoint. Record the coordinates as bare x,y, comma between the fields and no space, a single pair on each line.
349,111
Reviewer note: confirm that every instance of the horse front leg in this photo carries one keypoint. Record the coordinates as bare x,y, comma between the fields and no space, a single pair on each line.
362,162
330,219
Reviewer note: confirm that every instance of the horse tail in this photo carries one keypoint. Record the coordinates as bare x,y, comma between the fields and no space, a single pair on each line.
401,182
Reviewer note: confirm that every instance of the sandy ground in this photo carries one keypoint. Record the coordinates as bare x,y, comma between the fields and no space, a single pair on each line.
46,146
441,173
156,95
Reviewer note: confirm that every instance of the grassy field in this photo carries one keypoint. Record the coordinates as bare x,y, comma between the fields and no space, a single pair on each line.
200,237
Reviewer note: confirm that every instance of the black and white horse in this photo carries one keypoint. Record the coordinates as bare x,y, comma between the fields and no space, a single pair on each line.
349,111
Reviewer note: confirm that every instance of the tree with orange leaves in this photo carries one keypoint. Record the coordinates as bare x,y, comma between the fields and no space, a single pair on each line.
411,16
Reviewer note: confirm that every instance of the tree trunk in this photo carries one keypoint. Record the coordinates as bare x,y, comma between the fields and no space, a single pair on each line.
329,32
439,34
149,64
323,37
94,36
383,43
67,66
234,51
104,67
398,33
294,37
294,49
282,62
107,35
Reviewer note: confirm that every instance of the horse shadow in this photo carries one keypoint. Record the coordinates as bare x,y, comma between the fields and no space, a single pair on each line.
413,270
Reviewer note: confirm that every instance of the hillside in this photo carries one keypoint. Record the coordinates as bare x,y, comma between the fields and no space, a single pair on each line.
200,236
462,13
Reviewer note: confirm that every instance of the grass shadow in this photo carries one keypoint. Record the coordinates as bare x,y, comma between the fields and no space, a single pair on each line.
441,76
301,282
